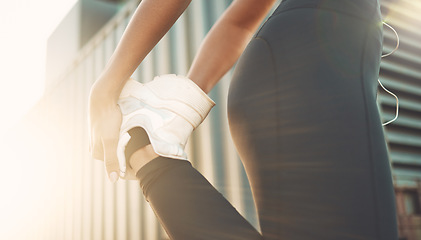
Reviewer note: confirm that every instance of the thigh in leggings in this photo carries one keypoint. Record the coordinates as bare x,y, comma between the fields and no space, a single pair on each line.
303,115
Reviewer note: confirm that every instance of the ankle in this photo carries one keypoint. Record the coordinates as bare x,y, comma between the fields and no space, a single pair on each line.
141,157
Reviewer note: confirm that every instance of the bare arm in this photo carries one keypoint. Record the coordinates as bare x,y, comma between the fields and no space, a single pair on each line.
151,20
226,41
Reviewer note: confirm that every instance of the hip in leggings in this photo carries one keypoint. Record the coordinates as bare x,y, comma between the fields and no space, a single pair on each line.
303,116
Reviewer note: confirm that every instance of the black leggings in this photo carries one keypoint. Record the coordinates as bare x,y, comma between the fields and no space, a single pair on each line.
303,115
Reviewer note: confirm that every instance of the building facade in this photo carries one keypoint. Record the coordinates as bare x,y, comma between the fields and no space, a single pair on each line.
86,206
401,73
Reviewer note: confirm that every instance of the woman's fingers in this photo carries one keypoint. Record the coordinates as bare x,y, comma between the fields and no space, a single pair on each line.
104,126
110,134
110,157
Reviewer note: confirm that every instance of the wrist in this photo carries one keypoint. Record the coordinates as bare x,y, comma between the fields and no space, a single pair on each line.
100,96
105,90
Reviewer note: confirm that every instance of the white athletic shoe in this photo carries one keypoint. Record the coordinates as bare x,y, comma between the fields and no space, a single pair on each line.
169,108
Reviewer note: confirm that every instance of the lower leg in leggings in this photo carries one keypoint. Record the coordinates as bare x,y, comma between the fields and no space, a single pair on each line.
187,205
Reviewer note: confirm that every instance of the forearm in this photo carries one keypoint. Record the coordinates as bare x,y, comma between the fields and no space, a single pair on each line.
218,53
150,22
226,41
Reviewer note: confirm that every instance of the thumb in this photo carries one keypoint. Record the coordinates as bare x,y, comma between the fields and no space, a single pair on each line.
110,156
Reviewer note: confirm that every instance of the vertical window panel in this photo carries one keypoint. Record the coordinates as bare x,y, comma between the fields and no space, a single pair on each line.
109,208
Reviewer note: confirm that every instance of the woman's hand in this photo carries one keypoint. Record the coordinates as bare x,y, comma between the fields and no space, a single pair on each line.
104,125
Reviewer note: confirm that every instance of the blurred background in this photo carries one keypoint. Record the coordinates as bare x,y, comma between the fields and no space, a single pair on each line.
52,52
